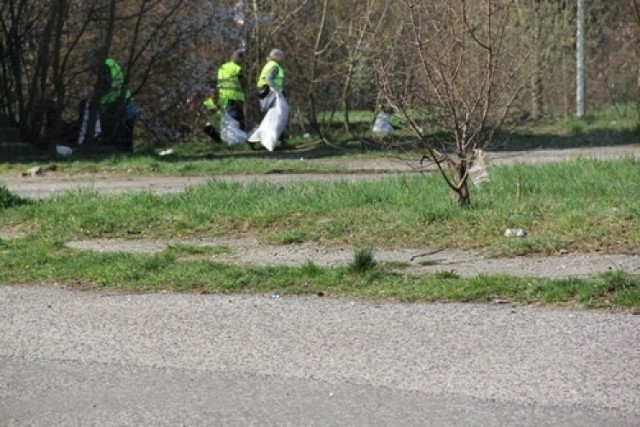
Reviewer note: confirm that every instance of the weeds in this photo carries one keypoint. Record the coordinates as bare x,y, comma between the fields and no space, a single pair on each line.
9,200
363,260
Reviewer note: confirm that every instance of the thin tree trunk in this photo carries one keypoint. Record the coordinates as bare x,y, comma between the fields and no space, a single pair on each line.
346,94
93,112
536,77
314,65
37,104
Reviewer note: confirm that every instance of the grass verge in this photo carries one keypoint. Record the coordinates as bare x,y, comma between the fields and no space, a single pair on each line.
581,206
52,263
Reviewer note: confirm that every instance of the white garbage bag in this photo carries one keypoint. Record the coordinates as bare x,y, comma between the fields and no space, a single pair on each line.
85,124
382,124
272,125
64,150
230,131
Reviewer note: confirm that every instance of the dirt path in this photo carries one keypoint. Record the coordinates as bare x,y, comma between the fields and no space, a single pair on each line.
414,260
406,260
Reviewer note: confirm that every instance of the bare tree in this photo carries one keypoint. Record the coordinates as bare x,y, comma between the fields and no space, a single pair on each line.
328,47
321,44
453,68
636,15
299,28
166,48
364,29
26,62
546,32
459,79
618,59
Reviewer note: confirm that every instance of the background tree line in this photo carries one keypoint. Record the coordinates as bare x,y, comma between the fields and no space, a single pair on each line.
469,66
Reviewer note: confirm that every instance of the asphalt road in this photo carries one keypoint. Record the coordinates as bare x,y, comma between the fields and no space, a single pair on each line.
92,358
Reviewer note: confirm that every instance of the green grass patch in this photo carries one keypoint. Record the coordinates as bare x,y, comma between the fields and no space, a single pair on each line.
363,260
9,200
49,262
580,206
182,249
613,288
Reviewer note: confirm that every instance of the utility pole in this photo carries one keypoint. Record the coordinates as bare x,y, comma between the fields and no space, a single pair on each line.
580,67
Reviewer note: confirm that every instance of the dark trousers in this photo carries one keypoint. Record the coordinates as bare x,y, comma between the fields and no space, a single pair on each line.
236,110
116,130
125,140
213,133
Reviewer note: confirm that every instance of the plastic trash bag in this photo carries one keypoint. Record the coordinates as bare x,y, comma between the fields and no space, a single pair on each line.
382,124
478,171
267,101
64,150
230,131
272,125
85,124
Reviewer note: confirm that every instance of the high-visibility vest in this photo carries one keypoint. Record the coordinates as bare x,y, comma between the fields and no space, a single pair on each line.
214,116
229,86
266,70
117,90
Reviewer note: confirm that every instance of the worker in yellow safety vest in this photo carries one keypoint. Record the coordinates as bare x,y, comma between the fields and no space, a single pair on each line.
270,84
231,87
271,79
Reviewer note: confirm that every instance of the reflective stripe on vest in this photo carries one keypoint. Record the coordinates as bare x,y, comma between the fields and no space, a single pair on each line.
266,70
229,86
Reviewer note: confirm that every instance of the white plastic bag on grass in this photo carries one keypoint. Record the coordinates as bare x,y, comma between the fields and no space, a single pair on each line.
64,150
382,124
272,125
230,131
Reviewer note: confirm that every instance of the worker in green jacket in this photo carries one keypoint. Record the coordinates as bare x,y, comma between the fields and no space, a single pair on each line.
231,87
116,106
